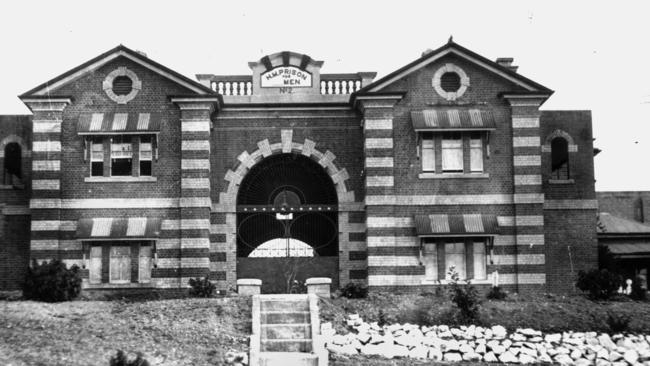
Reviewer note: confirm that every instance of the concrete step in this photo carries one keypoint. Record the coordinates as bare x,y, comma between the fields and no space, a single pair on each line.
284,317
287,359
284,305
286,331
286,345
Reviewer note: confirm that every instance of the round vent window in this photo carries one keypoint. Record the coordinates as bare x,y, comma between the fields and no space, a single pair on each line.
450,82
122,85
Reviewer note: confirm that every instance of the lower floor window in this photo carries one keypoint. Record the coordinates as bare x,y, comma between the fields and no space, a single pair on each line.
467,257
120,262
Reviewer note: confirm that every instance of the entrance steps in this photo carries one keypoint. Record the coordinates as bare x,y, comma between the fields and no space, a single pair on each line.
286,331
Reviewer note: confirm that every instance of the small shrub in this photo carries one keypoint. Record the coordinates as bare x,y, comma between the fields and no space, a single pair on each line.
382,318
496,293
120,359
465,297
601,284
52,282
354,291
298,287
201,287
618,323
638,292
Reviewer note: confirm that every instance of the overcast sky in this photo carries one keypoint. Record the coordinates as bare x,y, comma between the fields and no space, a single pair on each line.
595,55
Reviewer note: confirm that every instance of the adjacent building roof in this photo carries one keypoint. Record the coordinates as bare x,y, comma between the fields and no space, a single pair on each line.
610,224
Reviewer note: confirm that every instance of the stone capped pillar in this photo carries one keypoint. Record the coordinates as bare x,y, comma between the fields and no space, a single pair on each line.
195,202
528,193
379,170
45,204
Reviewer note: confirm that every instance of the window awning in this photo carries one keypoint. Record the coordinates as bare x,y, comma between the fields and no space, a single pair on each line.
453,119
630,249
117,123
456,225
119,228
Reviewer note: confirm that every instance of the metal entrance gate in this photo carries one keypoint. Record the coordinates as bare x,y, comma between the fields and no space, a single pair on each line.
290,199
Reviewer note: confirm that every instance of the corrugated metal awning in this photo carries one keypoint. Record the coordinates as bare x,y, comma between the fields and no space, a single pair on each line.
119,228
453,119
117,123
456,225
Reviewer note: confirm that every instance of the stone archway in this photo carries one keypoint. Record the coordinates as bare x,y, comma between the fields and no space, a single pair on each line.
268,150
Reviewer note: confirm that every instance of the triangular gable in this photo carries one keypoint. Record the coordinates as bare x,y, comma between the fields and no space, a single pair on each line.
99,61
462,52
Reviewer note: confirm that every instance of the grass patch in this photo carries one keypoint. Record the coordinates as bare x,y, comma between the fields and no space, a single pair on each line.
545,313
170,332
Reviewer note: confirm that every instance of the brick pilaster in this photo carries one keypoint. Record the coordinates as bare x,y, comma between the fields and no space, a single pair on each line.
195,202
379,164
528,193
45,203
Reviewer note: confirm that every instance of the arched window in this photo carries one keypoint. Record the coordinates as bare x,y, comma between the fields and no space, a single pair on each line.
12,172
559,158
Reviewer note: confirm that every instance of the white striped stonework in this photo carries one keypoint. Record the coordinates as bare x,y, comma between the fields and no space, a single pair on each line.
195,243
525,122
195,183
522,278
523,259
378,124
571,204
393,261
379,143
531,220
380,181
53,225
527,160
195,126
392,241
389,222
533,239
168,262
352,227
46,126
528,198
194,145
198,224
202,262
195,164
168,243
385,162
357,245
45,184
95,203
46,165
286,136
526,141
426,200
195,202
51,244
394,280
528,180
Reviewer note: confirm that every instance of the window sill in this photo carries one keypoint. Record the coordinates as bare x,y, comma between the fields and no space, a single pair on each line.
119,179
446,282
561,181
453,175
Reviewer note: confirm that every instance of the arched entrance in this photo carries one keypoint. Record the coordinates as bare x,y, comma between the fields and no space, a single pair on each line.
285,203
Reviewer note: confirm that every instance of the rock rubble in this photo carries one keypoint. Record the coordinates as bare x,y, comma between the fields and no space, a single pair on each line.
488,344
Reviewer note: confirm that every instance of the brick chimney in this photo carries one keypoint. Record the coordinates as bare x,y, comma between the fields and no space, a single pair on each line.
507,63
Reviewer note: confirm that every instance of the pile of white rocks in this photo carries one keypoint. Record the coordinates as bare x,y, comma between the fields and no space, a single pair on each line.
494,344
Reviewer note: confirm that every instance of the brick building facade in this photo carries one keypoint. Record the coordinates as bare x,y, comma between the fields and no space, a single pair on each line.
146,178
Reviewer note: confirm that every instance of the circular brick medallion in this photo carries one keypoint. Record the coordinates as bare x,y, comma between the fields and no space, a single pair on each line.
122,85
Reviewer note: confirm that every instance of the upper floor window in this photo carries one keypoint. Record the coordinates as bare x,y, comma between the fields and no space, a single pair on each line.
12,170
452,152
559,159
121,156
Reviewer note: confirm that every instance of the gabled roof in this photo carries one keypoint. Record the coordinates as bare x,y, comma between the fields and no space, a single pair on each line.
462,52
610,224
110,55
